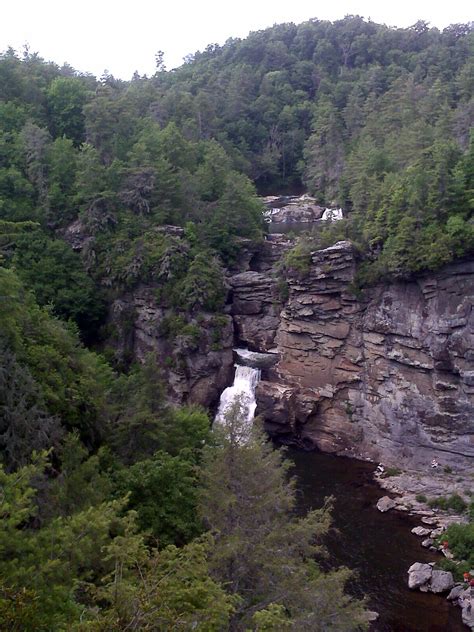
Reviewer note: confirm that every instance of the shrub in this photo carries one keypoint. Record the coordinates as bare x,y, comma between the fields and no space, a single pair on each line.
391,471
454,503
461,542
421,498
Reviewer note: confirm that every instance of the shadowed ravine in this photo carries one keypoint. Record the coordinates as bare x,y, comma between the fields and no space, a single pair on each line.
378,547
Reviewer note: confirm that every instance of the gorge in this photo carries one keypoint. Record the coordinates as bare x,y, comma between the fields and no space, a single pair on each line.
385,374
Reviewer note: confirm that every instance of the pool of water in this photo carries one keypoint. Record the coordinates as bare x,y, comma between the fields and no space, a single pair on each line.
378,547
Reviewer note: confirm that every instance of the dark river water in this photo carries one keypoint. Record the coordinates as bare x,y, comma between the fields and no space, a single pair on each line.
378,547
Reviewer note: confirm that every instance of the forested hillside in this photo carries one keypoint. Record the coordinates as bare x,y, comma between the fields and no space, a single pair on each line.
111,515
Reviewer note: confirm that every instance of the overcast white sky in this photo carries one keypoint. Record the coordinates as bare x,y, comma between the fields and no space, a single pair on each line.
94,35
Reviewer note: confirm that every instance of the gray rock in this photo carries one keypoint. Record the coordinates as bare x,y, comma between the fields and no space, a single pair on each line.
420,531
427,543
256,360
419,574
455,592
435,533
468,614
441,581
385,504
372,615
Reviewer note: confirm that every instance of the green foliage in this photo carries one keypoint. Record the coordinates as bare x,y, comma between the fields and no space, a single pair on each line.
203,287
421,498
72,382
55,273
461,542
162,490
52,561
145,423
66,98
172,590
25,425
298,259
454,503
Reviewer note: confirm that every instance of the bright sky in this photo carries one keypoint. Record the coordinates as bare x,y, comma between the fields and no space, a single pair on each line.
123,36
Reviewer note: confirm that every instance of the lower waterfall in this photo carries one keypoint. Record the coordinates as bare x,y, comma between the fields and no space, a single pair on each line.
242,390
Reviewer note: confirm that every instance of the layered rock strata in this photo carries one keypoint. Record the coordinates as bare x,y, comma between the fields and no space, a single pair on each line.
388,375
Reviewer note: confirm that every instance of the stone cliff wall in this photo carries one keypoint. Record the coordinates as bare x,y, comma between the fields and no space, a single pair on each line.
387,375
196,366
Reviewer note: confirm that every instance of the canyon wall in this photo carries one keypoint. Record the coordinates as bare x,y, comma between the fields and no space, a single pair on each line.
386,374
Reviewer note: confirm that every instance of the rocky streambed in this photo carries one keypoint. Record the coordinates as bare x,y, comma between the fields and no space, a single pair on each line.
406,496
378,546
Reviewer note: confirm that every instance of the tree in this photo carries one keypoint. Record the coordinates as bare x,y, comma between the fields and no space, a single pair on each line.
54,272
25,425
204,287
66,99
162,490
171,592
324,152
262,553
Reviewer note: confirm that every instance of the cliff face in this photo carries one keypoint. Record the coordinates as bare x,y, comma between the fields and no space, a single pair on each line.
196,363
389,375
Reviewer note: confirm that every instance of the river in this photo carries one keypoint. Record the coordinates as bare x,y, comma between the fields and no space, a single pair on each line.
378,547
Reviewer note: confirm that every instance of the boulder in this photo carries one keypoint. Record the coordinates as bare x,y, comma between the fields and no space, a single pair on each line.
468,613
455,592
419,575
427,543
420,531
385,504
441,581
435,533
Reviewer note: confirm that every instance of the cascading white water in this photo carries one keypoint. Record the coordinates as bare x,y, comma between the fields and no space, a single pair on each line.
243,389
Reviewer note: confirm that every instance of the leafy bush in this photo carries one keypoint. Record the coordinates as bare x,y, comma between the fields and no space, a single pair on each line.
461,542
454,503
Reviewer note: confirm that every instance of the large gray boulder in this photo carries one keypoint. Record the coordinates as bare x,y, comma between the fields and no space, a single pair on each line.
441,581
385,503
419,574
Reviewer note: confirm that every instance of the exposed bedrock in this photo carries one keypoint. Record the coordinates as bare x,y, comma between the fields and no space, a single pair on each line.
388,376
196,364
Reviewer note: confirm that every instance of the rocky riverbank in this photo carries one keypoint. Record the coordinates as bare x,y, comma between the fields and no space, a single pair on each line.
410,492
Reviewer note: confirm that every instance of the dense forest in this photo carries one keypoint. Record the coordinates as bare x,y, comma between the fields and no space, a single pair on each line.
118,510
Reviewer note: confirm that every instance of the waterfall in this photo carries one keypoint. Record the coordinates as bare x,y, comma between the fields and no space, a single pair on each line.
243,389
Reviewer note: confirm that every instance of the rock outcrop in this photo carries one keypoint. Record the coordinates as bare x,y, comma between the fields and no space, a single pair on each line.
256,297
387,375
197,363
